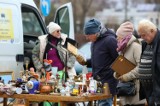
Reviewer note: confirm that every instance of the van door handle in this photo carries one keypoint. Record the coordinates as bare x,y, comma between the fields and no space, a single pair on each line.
19,58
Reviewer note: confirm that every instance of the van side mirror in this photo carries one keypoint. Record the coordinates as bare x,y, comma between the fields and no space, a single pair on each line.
20,58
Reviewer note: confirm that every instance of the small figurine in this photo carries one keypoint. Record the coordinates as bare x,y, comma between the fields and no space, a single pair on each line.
32,73
48,68
99,87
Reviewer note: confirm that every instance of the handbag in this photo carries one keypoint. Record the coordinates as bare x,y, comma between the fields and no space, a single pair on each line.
126,89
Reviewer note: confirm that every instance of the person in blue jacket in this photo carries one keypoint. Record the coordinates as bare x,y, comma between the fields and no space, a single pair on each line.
103,53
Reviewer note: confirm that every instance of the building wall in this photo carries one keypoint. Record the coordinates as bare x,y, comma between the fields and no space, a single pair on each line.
116,17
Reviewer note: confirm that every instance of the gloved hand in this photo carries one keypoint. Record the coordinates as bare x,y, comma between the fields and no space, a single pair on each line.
123,78
80,59
116,75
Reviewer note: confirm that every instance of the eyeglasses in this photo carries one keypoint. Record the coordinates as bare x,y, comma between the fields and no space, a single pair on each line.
58,31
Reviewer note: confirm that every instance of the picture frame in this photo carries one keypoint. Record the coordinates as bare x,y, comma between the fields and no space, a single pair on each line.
122,65
7,76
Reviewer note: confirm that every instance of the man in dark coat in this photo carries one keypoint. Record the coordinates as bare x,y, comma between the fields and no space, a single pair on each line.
103,53
149,68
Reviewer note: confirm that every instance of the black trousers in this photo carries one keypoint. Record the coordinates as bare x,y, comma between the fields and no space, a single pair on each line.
148,88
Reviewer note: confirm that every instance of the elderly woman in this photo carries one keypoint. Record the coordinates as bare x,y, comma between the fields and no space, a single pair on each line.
130,49
51,47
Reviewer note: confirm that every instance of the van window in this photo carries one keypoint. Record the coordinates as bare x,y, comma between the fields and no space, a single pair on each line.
31,22
63,20
31,25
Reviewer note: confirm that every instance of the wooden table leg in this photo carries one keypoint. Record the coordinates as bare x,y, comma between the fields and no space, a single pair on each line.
5,101
115,100
95,104
26,102
63,103
90,103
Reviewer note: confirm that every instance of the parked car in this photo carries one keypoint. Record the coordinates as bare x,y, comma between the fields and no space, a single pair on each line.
85,51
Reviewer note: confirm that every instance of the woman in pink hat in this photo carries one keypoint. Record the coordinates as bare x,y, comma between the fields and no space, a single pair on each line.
130,48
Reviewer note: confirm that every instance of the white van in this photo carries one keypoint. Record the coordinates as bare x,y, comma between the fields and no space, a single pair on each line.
20,26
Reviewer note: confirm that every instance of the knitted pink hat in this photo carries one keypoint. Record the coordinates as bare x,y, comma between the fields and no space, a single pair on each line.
125,29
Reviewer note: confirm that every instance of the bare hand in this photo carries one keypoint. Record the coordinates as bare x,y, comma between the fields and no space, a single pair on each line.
80,59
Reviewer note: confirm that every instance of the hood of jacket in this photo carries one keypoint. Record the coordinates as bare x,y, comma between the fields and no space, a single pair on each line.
106,32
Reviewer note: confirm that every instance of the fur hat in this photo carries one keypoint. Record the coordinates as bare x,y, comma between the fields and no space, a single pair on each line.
125,29
53,27
92,26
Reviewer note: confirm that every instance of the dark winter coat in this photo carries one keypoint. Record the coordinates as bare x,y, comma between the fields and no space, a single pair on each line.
103,53
155,67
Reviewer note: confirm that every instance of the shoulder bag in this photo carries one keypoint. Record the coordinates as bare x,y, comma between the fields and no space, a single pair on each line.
126,88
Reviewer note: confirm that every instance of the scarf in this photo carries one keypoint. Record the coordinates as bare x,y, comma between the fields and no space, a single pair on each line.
123,43
52,39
